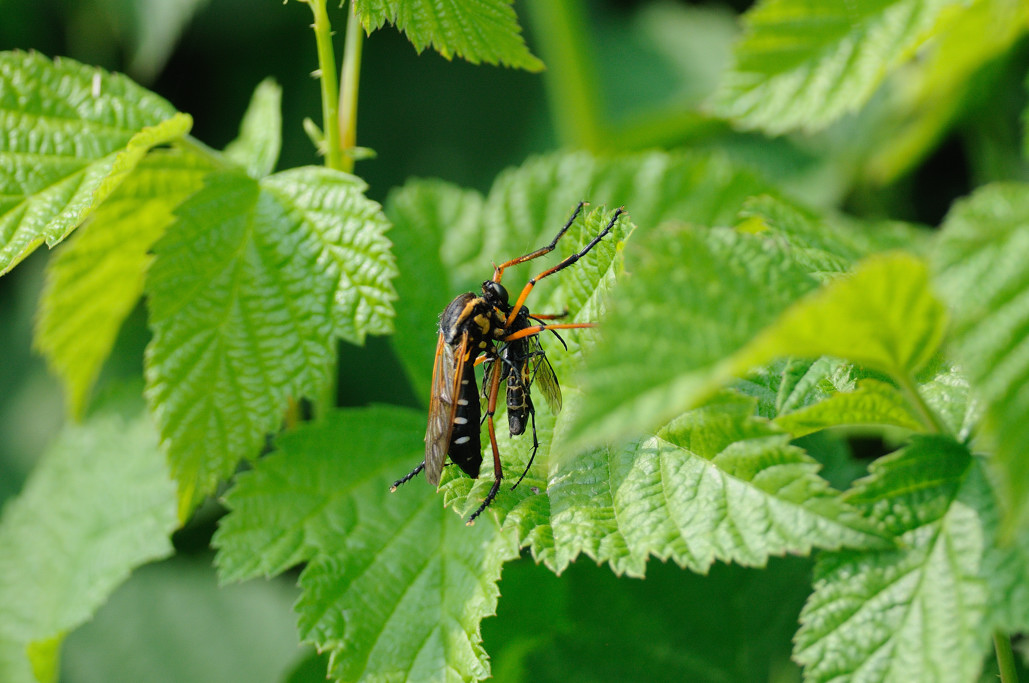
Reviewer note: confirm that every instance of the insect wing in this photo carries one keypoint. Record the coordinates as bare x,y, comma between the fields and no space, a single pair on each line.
546,381
446,378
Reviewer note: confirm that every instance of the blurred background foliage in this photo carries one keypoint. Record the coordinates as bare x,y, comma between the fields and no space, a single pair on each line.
646,65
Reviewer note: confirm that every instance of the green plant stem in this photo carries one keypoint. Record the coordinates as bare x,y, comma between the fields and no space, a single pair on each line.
1005,657
350,78
929,418
334,157
327,76
559,29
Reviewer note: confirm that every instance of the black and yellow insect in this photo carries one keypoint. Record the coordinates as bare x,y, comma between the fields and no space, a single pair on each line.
487,327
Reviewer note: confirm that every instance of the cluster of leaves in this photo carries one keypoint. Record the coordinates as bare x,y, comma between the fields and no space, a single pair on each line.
741,323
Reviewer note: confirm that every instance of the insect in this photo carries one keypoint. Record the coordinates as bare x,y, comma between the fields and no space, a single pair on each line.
487,327
521,363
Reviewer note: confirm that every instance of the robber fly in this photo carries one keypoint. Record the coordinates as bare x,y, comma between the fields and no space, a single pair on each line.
486,327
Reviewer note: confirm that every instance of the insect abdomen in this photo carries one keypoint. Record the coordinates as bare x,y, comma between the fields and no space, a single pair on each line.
465,446
519,401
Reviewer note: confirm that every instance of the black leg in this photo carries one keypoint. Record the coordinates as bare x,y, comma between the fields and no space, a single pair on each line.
498,271
535,446
411,475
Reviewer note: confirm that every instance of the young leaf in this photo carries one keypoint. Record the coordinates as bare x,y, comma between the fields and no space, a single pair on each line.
98,505
73,133
476,30
248,290
95,280
982,276
883,316
872,403
307,502
260,134
697,296
802,65
915,613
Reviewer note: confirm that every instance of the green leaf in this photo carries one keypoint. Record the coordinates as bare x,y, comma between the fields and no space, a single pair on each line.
716,484
257,147
697,297
95,280
98,505
802,65
73,134
826,244
982,277
794,384
324,498
882,316
448,238
929,95
248,290
872,403
172,622
476,30
915,613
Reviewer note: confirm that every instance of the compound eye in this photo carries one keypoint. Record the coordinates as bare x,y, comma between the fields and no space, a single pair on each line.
495,292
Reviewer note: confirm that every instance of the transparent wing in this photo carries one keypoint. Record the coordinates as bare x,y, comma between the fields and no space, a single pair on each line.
546,380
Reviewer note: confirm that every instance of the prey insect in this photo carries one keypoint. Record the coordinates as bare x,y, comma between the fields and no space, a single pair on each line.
521,363
487,327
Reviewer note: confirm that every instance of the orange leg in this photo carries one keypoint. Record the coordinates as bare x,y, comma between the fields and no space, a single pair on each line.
536,329
498,470
561,266
498,271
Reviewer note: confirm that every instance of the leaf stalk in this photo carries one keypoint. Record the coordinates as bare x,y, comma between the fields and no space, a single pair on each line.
327,76
350,78
1005,657
933,423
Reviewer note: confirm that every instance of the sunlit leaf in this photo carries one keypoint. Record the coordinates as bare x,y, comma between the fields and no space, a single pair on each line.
697,297
927,96
739,303
395,585
248,291
982,276
802,65
73,133
717,484
476,30
883,316
915,613
260,134
96,279
872,403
